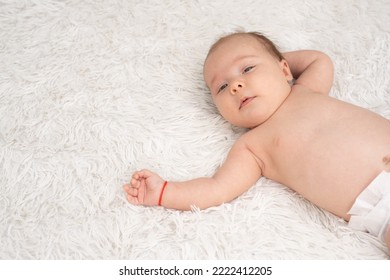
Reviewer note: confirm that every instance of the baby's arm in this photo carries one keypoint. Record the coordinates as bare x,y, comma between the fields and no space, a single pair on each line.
239,172
312,69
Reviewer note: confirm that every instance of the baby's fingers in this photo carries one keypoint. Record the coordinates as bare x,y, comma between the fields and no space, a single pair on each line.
132,199
142,174
136,176
131,194
135,183
130,190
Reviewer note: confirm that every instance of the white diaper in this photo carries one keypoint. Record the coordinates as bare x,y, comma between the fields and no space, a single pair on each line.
371,210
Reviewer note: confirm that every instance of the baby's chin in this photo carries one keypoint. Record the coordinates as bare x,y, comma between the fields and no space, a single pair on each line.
251,126
250,119
248,125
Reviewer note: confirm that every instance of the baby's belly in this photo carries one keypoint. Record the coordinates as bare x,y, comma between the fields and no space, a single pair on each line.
331,181
331,166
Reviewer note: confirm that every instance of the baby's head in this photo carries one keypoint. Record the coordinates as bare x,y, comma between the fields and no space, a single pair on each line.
248,78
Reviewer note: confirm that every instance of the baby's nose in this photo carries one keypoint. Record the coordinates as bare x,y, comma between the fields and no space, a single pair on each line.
236,87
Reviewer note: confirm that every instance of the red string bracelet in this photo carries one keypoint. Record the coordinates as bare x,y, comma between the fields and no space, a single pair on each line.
162,192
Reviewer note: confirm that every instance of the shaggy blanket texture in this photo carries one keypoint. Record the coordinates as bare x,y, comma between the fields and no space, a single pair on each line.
91,91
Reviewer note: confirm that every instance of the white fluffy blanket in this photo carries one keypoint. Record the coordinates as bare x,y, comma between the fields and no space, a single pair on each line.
91,91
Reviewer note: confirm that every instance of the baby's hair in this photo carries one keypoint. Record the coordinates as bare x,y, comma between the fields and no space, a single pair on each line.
267,43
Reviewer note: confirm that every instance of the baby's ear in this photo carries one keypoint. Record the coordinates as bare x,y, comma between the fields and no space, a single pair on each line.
286,69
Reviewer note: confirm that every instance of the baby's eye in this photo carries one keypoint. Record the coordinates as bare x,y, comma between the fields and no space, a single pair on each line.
222,88
247,69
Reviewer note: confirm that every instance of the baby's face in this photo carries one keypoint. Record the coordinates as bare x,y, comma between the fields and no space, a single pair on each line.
247,83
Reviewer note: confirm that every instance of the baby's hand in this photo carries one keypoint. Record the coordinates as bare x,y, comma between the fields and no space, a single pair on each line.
144,188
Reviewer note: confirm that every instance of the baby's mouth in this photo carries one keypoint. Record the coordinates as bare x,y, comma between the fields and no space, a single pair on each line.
246,101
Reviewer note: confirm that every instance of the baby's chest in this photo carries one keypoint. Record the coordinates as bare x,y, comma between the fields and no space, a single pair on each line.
303,141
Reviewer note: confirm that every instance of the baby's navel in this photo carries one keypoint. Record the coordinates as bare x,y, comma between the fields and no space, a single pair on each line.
276,141
386,161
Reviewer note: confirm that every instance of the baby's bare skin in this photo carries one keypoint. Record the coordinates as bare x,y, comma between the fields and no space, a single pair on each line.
325,149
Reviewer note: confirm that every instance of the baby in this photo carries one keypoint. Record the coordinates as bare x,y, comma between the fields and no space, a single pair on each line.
334,154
